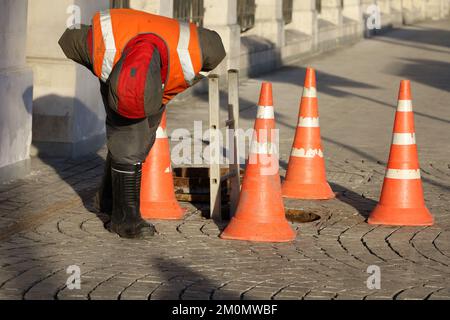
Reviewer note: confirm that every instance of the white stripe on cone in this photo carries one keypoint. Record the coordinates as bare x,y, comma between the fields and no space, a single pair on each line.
403,174
161,133
309,92
308,122
265,112
263,148
404,106
308,153
404,139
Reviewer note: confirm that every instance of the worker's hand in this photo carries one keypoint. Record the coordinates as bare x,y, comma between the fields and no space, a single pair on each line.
213,51
74,44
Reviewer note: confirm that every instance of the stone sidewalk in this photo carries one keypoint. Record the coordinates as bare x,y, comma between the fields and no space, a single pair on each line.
47,223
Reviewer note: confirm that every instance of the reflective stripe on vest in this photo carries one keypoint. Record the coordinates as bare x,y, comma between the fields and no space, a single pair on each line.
183,52
110,44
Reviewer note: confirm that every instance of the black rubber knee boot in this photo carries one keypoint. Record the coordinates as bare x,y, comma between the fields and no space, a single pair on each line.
126,218
104,197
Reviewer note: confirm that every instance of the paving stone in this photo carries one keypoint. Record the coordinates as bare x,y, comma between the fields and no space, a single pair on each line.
328,260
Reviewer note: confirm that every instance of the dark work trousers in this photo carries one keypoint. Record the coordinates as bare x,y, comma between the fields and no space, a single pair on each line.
129,140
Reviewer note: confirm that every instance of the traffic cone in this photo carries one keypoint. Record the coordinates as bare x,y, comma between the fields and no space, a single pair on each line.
157,191
401,202
260,213
305,175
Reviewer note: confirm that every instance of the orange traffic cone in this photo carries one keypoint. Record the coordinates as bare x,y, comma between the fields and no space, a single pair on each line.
260,213
157,191
401,202
305,175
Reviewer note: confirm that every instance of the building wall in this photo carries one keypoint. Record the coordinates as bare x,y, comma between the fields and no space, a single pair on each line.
16,89
68,114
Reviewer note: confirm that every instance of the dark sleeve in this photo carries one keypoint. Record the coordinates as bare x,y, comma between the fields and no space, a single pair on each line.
213,51
74,44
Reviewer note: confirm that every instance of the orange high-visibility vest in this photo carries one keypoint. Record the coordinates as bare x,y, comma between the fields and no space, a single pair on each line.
113,29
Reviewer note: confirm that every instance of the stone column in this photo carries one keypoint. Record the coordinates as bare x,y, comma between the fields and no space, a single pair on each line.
445,8
385,10
353,21
68,113
396,13
396,5
269,22
433,9
330,21
261,46
420,6
301,32
16,91
304,17
408,11
331,11
385,6
161,7
352,10
221,16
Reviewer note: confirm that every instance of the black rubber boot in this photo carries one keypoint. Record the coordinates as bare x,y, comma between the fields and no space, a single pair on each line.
104,198
126,218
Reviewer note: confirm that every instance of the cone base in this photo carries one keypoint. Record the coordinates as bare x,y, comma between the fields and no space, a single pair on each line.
320,191
248,230
401,216
170,210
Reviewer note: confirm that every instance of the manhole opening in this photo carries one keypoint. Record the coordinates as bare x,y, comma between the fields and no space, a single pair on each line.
192,184
301,216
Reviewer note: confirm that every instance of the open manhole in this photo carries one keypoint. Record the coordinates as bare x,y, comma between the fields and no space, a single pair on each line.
301,216
192,184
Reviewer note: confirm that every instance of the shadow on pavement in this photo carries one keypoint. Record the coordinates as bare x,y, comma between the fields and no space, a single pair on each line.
428,72
184,283
421,34
362,204
375,160
326,82
82,174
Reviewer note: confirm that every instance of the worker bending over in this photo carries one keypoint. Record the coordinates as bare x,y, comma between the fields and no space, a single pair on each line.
143,61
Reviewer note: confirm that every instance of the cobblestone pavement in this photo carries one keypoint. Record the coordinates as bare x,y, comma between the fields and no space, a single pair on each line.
47,225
